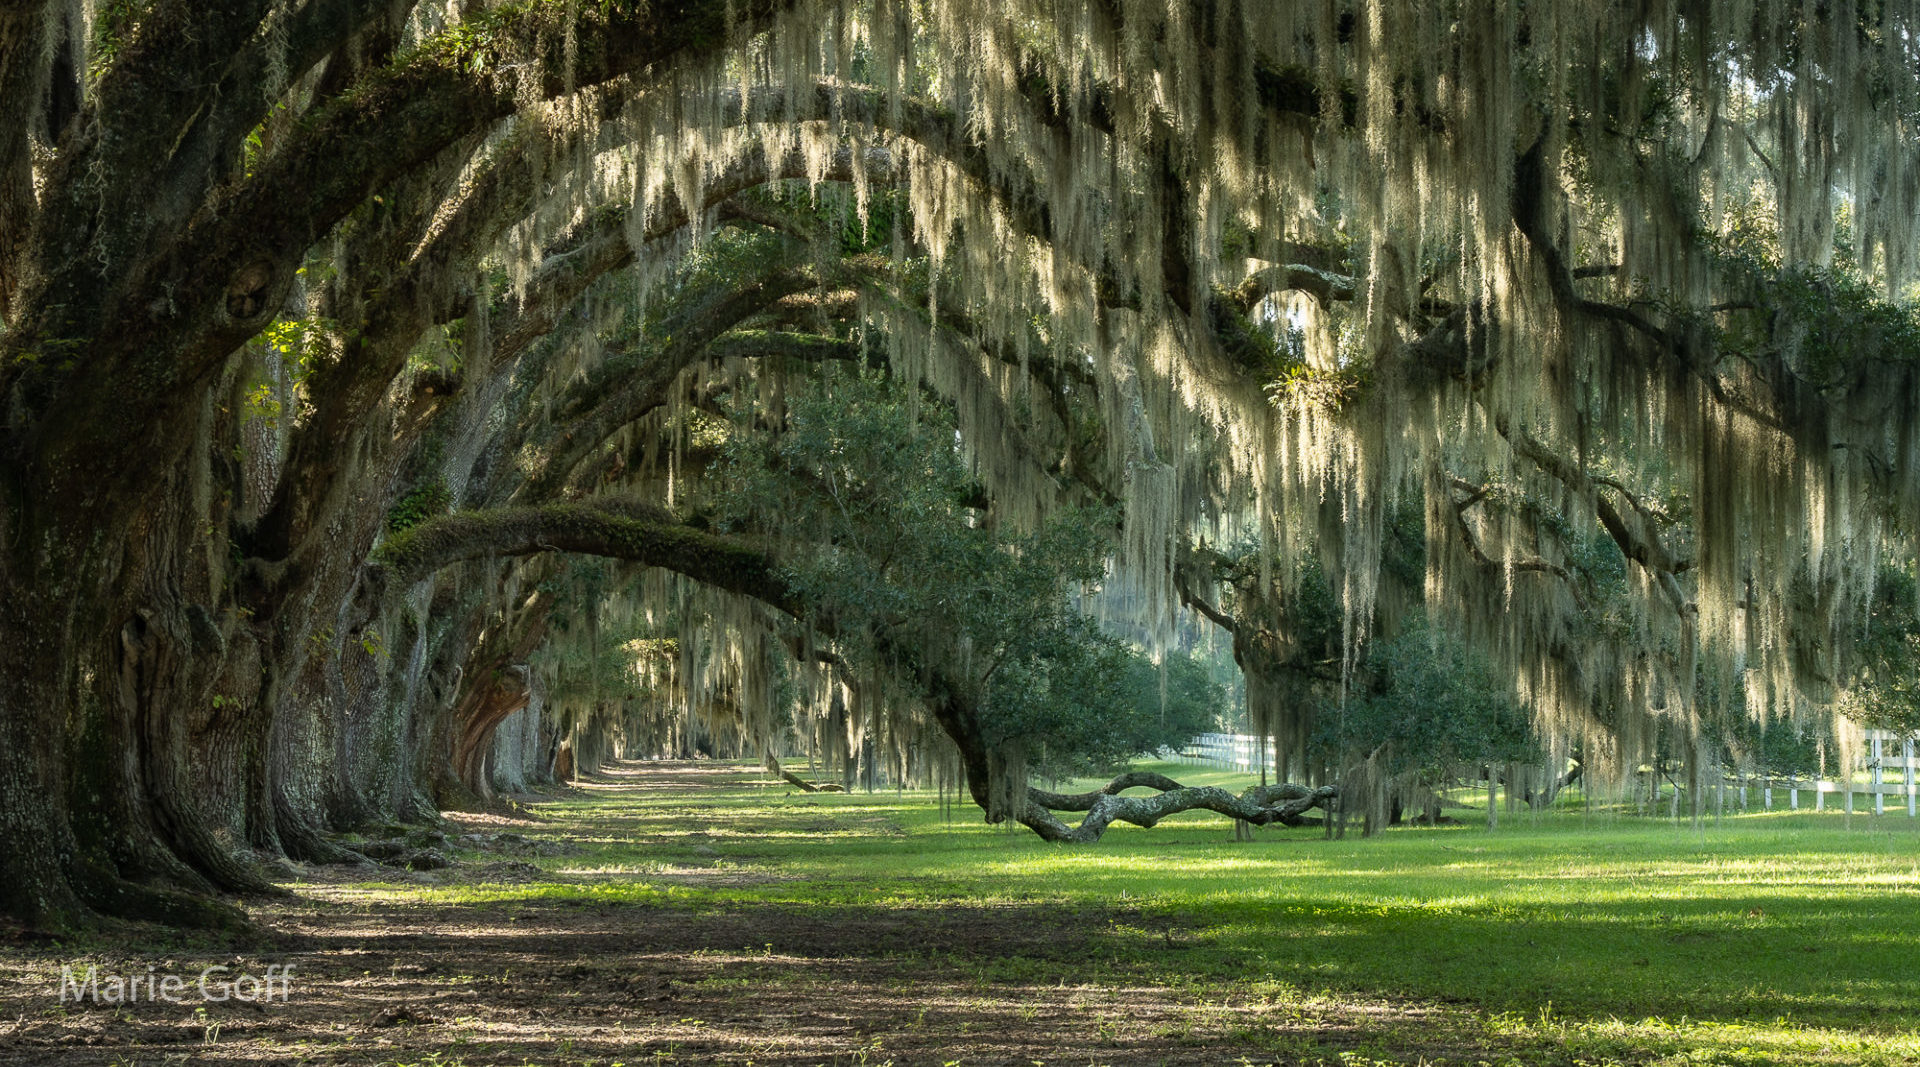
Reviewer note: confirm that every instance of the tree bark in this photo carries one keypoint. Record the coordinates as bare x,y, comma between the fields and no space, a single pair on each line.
41,849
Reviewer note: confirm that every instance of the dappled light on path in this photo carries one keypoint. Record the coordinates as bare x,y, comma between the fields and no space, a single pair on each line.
692,912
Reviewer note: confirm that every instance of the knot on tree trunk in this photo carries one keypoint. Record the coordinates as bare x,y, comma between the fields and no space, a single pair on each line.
250,292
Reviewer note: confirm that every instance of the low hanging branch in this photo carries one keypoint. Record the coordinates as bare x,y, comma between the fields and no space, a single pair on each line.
616,529
1284,803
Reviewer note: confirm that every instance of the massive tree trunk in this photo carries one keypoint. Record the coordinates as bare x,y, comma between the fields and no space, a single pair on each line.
505,690
112,671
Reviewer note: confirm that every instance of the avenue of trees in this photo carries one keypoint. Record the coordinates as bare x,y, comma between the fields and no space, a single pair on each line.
396,396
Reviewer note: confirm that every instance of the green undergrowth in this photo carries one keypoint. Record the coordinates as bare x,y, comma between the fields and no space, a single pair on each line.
1770,938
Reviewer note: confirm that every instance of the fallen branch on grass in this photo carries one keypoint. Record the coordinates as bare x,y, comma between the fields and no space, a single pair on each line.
774,768
1261,805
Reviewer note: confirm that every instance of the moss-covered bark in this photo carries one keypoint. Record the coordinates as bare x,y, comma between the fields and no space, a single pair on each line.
632,532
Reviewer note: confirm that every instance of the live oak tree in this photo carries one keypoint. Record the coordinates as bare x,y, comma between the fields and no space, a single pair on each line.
285,282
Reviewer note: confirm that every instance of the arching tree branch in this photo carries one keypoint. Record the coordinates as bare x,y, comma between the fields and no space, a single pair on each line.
614,529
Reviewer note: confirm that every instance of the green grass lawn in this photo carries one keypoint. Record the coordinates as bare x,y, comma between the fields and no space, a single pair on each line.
1764,938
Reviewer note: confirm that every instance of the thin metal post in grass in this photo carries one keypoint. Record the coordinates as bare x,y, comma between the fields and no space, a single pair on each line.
1493,813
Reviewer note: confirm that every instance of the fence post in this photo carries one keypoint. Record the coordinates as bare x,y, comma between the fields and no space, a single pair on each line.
1766,793
1907,751
1793,794
1879,798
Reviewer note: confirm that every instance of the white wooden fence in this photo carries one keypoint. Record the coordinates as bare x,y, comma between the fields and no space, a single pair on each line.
1892,766
1238,752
